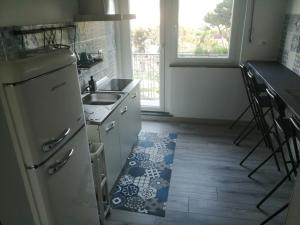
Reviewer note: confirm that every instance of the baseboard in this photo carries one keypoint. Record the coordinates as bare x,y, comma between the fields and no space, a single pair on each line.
170,118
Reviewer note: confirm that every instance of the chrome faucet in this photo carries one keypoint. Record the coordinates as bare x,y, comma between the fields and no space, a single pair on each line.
84,90
91,87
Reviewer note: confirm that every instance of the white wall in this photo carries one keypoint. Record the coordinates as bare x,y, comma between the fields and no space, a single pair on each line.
206,93
212,93
267,25
30,12
293,7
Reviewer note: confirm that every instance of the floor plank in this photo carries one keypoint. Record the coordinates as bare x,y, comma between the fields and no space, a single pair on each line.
208,186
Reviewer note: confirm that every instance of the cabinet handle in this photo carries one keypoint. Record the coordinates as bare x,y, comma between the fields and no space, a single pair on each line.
124,110
134,96
110,126
48,146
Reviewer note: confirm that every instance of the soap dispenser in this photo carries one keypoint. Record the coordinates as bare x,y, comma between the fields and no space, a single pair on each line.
92,85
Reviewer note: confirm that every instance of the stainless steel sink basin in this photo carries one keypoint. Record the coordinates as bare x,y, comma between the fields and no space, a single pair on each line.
116,85
101,99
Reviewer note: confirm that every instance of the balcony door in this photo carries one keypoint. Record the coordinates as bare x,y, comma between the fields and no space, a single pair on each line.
147,53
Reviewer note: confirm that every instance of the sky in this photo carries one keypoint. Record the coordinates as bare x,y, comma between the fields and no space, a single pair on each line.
147,11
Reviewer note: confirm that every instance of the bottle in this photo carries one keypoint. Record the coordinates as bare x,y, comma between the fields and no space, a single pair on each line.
92,85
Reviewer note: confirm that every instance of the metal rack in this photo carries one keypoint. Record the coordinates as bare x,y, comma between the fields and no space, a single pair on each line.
100,179
51,36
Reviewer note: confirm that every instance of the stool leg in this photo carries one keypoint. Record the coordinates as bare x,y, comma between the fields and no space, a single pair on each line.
252,150
291,158
265,161
296,149
240,116
297,154
277,138
241,137
274,189
273,150
275,214
280,149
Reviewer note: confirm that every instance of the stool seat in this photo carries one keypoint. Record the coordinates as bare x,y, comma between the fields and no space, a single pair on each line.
261,88
263,101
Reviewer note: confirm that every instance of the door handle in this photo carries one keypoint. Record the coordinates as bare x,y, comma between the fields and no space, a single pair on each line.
124,110
53,169
48,146
110,126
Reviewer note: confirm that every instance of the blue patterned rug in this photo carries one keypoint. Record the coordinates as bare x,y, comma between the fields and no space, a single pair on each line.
144,184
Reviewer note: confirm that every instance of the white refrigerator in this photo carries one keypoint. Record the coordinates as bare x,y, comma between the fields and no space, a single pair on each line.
45,166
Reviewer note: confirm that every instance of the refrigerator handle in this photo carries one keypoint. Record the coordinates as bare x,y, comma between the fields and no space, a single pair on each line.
48,146
54,168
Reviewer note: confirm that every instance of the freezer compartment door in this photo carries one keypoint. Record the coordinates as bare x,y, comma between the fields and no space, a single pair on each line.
47,112
67,186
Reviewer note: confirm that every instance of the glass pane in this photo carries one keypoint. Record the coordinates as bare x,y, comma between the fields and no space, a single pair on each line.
145,46
204,28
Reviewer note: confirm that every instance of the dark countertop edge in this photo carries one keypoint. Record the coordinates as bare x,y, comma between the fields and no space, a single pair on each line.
251,64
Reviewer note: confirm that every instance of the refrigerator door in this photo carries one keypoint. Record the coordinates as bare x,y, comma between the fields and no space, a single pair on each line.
66,185
47,111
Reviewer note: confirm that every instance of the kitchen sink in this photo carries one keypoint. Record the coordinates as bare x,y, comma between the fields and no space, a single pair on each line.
101,98
115,85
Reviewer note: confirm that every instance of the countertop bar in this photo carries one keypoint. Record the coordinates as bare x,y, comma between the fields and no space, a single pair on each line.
283,81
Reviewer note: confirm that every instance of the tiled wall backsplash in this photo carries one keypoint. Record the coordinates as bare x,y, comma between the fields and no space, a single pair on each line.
90,37
289,53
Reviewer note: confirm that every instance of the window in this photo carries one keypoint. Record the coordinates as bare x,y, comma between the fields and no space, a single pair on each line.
208,31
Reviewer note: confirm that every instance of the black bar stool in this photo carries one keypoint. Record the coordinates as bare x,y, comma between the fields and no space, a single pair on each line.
261,103
243,72
294,125
284,125
248,129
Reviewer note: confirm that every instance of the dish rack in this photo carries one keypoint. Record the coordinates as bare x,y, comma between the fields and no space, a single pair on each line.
100,180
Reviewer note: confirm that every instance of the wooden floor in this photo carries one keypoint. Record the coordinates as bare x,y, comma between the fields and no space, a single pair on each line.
208,186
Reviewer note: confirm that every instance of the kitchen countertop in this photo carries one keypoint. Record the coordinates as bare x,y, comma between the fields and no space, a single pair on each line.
281,80
96,114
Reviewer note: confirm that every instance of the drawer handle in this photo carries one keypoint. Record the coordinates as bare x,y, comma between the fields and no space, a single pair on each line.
124,110
110,126
134,96
48,146
53,169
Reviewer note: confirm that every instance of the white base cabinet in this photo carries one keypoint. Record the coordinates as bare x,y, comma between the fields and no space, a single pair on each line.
109,135
118,133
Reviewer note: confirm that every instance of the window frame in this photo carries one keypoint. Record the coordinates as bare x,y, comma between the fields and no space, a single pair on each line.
238,16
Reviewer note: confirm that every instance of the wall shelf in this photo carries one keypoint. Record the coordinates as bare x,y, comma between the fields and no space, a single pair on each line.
89,64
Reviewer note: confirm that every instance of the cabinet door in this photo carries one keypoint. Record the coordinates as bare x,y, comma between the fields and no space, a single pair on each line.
126,134
109,134
135,112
